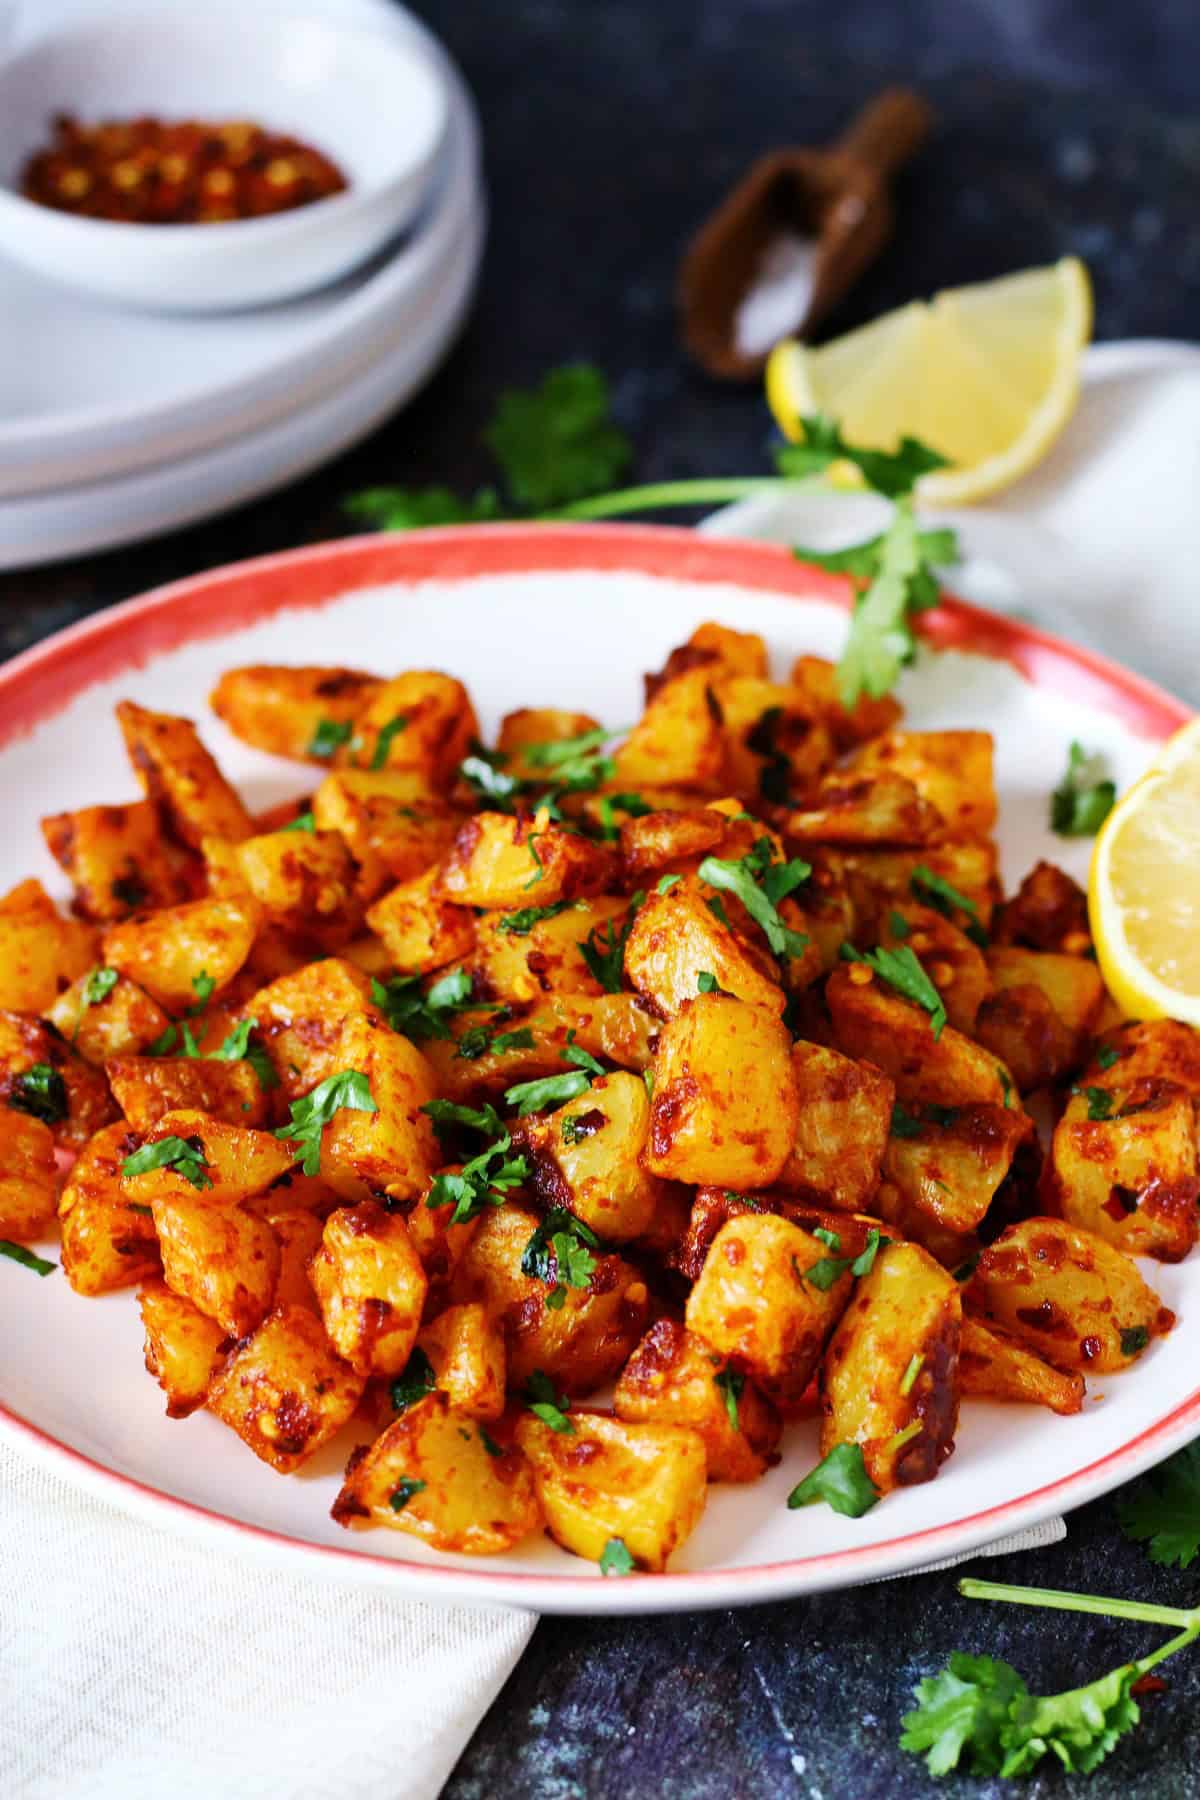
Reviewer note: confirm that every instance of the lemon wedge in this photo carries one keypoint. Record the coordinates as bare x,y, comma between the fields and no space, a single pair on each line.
987,375
1144,888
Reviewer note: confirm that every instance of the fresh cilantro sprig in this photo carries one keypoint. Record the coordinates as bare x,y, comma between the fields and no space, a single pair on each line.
555,1090
522,922
547,1404
488,1178
1100,1101
761,882
935,891
603,950
41,1092
830,1269
841,1480
902,970
348,1090
560,1253
419,1013
415,1381
1163,1510
615,1558
186,1156
1084,797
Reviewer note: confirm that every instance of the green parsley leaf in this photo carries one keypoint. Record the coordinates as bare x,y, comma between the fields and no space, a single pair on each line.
41,1092
302,822
521,1039
238,1048
99,985
204,987
831,1239
445,1113
485,774
489,1443
329,736
575,764
615,1558
520,924
707,983
604,951
829,1269
164,1043
185,1155
902,970
933,890
414,1383
19,1254
965,1706
418,1013
841,1479
939,547
1100,1101
881,641
665,883
405,1490
349,1089
484,1181
1134,1339
1006,1083
1163,1510
893,473
898,925
560,1253
731,1385
383,742
909,1377
408,509
551,1090
1083,798
547,1405
1107,1055
760,884
1080,1726
556,443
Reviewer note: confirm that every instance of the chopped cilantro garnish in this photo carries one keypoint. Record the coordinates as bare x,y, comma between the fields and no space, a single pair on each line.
1084,798
417,1380
1106,1056
935,891
665,883
329,736
520,924
41,1092
841,1480
302,822
609,805
99,985
484,1181
830,1269
555,1090
485,774
615,1558
418,1013
1134,1339
349,1089
405,1490
1099,1101
731,1384
902,970
185,1155
383,742
557,442
604,951
908,1379
547,1405
560,1253
761,884
19,1254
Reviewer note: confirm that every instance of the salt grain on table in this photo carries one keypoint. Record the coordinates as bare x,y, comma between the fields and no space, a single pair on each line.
780,296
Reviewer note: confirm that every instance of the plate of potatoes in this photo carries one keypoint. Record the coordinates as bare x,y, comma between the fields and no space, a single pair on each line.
512,1088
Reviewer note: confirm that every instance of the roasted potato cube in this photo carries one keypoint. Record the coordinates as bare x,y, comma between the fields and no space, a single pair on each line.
41,954
1079,1302
675,938
740,652
852,808
432,1474
608,1478
713,1207
890,1376
531,726
238,1162
180,776
393,1148
873,1024
619,1027
28,1177
370,1287
725,1108
420,720
28,898
679,741
439,1244
304,881
421,931
1149,1050
184,1348
300,1018
954,964
41,1074
223,1259
951,769
774,739
994,1366
581,1344
673,1378
117,859
394,826
146,1087
283,709
298,1233
165,951
950,1161
1048,912
466,1352
284,1391
121,1023
753,1304
519,956
108,1240
497,860
845,1113
1126,1169
878,879
678,838
867,718
587,1157
1040,1016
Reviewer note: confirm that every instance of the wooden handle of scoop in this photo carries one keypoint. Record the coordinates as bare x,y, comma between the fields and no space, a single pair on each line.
888,131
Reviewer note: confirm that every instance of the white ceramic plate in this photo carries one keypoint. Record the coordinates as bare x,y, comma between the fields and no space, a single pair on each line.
596,606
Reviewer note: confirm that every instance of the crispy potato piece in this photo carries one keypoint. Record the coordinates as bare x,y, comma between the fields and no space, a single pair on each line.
754,1306
773,736
1131,1177
108,1240
673,1378
27,898
950,769
845,1113
534,725
1042,1013
238,1162
117,859
436,730
713,1207
123,1023
892,1365
180,776
421,931
41,954
867,718
949,1167
609,1478
676,839
26,1044
284,1391
851,808
298,1233
679,741
224,1259
500,861
28,1177
432,1475
394,826
877,880
146,1087
675,938
304,881
1149,1050
184,1348
282,709
587,1157
619,1027
392,1148
370,1287
581,1344
300,1019
715,648
994,1366
440,1246
725,1108
519,957
165,951
873,1024
466,1351
1078,1300
1048,912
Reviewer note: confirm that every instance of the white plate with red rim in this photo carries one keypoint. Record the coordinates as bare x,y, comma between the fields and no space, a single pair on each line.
593,607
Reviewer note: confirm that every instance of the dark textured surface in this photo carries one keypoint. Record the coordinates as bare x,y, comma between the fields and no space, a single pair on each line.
612,126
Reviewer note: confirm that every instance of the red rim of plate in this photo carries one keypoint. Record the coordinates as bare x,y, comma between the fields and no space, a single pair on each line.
42,681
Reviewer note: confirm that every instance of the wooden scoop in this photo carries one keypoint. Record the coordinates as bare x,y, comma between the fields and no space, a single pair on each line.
836,197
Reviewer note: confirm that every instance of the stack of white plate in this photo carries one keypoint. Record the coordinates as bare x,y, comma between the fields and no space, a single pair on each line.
118,425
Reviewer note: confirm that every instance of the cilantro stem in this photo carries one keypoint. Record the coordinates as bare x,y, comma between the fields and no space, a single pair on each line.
1083,1603
704,492
1145,1663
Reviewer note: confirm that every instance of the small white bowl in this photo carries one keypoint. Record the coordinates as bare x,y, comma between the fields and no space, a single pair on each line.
376,104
